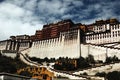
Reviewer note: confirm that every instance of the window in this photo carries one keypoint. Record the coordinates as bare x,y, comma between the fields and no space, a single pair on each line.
98,36
110,35
92,37
113,34
118,33
112,27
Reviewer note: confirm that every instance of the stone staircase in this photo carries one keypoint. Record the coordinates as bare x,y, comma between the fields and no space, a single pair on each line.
25,59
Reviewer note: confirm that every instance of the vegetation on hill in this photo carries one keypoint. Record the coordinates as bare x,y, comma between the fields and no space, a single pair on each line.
115,75
68,64
10,65
111,59
39,60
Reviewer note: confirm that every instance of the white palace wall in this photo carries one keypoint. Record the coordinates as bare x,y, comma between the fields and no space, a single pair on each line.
67,45
71,49
113,34
3,45
98,52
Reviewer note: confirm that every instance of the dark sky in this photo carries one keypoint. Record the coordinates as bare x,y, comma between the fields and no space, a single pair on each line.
25,16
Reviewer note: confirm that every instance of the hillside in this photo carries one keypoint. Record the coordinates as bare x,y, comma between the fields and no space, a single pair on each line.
10,65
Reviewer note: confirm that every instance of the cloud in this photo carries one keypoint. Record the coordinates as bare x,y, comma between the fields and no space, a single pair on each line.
59,9
100,10
26,16
50,7
16,20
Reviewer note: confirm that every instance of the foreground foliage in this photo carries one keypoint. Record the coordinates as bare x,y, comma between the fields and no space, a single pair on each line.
68,64
115,75
10,65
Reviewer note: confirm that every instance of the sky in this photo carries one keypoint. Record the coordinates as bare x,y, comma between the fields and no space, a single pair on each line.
19,17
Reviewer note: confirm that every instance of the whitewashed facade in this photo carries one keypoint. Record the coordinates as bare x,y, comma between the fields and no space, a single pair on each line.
67,45
104,33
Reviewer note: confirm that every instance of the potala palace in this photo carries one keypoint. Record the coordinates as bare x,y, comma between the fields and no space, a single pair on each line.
67,39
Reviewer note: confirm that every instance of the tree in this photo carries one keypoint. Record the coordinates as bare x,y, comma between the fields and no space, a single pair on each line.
82,63
6,65
9,65
52,59
46,59
115,75
108,60
114,59
101,74
111,59
90,59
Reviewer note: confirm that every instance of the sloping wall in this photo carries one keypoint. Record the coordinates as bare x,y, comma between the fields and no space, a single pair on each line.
98,52
67,45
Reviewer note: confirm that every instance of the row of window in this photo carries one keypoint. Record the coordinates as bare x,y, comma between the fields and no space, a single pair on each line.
73,32
116,33
114,27
24,44
3,43
47,41
69,35
100,36
99,28
50,42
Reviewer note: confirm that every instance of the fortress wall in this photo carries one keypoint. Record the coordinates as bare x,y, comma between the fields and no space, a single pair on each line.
12,55
23,45
112,52
64,46
3,45
98,52
68,45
